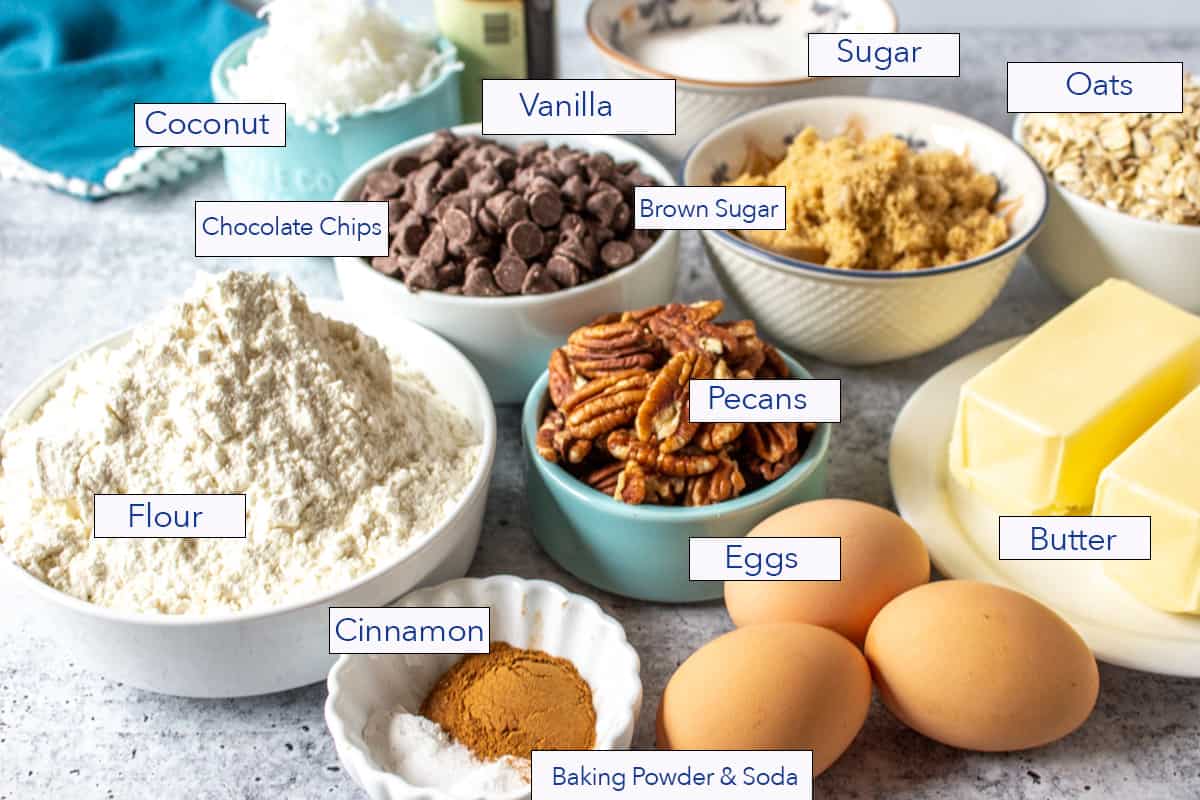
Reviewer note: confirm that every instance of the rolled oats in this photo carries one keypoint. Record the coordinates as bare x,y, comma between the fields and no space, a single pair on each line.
1145,165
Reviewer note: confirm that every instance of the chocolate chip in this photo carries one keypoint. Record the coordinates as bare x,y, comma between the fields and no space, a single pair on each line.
575,189
434,248
545,208
421,275
601,165
479,262
641,241
426,200
510,274
538,282
565,272
480,283
487,222
486,182
452,290
526,151
450,273
515,210
384,183
440,149
617,254
622,217
458,226
571,246
397,209
403,164
426,177
525,238
410,234
601,234
452,180
388,265
603,204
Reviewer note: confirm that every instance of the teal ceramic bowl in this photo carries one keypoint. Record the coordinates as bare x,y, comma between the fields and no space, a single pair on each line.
315,163
642,551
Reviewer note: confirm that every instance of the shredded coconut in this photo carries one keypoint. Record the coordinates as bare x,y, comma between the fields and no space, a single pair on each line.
327,59
422,753
345,454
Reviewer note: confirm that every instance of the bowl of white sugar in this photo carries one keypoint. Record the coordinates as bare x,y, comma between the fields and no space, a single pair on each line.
727,58
355,79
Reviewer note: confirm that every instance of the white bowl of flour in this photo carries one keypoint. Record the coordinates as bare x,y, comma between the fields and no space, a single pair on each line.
364,446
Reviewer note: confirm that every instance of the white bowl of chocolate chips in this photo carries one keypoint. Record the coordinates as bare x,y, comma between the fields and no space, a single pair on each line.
505,245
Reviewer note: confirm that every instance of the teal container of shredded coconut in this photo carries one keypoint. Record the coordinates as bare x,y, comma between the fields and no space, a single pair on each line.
314,163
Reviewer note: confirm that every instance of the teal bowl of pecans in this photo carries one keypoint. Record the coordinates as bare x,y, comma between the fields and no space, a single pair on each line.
642,551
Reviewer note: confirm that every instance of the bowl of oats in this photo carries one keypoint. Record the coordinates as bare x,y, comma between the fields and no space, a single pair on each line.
904,222
1124,199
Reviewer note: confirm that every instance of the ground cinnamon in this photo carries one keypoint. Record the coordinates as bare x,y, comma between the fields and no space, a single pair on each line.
511,701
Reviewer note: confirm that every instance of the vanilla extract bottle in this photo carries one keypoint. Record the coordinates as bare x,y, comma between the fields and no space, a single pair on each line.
499,39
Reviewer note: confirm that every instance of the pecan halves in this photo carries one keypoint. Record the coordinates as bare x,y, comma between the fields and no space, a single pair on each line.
663,415
773,365
749,351
772,441
564,380
684,328
610,347
723,483
769,471
556,443
604,479
605,404
714,437
622,444
637,485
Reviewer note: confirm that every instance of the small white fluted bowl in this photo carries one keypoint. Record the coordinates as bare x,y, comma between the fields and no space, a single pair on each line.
704,101
234,654
861,316
1086,243
532,614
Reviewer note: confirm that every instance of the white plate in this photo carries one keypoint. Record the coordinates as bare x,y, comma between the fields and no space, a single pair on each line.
963,538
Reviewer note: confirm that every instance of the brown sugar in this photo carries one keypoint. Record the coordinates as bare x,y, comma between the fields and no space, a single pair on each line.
510,702
877,204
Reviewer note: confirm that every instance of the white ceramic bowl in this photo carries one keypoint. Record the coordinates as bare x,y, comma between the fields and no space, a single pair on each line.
860,316
247,653
509,339
1086,243
704,101
525,613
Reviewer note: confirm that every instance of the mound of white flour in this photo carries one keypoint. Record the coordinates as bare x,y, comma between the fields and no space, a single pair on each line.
344,454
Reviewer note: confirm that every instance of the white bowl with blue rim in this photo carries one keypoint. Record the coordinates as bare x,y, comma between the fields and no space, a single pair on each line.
317,161
863,316
712,84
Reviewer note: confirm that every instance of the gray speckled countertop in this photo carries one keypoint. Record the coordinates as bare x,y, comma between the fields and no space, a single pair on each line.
71,272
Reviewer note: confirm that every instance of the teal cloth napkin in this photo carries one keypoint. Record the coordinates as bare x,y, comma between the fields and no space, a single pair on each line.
71,70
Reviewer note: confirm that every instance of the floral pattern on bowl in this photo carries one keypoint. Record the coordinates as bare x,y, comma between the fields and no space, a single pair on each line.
621,21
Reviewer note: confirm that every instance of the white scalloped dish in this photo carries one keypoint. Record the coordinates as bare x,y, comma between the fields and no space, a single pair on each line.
525,613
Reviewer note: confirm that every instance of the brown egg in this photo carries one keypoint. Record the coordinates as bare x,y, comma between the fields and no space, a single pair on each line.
882,556
981,667
782,686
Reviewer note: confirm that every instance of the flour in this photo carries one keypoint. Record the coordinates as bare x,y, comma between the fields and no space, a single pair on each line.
346,455
420,752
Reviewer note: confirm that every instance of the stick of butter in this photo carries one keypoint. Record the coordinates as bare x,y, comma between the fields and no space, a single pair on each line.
1035,428
1157,477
